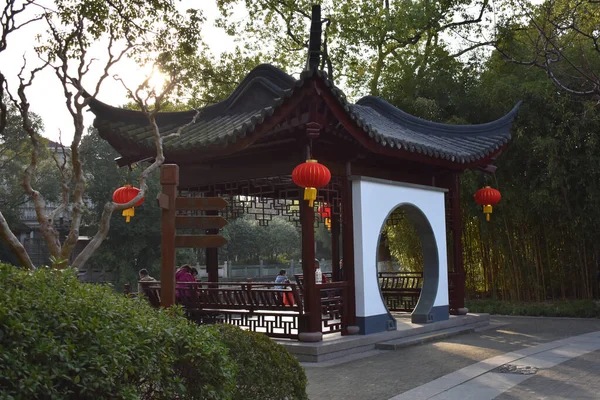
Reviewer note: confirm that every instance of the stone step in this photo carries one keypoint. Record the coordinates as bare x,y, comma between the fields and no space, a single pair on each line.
337,347
427,337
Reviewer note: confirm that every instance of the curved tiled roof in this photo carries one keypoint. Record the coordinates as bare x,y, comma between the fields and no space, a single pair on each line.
265,89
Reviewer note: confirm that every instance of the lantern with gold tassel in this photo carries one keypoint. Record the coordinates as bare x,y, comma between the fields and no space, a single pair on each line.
487,197
325,212
311,175
124,195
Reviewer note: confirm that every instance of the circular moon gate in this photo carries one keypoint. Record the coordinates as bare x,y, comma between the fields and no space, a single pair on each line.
422,312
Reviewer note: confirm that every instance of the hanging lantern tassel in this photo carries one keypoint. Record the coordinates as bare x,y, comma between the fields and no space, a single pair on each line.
310,194
325,212
128,213
487,210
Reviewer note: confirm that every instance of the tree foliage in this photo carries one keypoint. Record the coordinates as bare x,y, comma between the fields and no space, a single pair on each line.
129,247
150,32
250,242
403,241
363,40
560,37
14,158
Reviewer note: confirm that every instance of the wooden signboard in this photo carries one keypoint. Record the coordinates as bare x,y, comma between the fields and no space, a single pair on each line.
199,241
210,223
200,203
203,222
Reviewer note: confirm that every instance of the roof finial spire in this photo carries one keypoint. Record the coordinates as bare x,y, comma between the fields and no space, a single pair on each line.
314,43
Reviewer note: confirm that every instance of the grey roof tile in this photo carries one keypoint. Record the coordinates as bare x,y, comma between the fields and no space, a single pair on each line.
265,88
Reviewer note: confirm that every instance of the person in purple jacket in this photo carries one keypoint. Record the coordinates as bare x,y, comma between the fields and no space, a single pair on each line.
183,274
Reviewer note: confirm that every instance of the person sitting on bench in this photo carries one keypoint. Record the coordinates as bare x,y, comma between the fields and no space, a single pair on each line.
144,277
281,278
287,297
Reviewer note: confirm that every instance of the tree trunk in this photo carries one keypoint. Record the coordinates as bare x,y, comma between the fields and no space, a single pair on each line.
374,84
514,263
544,288
14,244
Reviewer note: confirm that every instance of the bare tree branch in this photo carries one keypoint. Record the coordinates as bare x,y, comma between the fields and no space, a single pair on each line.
3,107
47,230
13,243
7,26
111,207
552,38
471,48
61,165
112,60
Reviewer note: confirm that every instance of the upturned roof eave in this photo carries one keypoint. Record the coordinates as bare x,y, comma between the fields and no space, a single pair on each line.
375,141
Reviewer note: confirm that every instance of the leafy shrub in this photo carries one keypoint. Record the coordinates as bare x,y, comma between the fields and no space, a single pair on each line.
562,308
265,369
63,339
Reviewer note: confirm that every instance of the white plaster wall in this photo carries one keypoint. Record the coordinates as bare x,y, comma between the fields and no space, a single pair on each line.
372,201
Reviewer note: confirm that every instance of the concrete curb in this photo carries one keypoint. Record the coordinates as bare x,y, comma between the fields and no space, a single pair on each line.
428,337
542,317
333,347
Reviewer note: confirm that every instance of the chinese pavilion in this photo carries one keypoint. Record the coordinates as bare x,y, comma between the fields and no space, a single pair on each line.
380,158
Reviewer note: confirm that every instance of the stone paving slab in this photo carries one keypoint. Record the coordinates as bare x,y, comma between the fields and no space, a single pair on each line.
480,382
385,374
577,378
487,386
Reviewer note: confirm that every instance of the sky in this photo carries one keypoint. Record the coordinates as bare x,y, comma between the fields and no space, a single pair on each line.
45,95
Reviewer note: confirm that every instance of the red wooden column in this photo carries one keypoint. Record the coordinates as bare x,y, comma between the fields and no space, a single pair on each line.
459,268
348,254
310,327
212,255
169,179
335,245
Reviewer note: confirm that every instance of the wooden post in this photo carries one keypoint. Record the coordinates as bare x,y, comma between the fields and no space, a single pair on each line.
335,246
212,256
459,268
169,179
311,326
348,253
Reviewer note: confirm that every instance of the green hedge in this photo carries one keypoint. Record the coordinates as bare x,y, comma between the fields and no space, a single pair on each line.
565,308
259,359
60,339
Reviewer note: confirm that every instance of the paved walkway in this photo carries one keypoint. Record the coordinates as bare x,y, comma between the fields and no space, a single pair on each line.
566,353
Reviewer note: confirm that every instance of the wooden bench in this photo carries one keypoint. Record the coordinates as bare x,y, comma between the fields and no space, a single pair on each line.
256,306
300,280
400,290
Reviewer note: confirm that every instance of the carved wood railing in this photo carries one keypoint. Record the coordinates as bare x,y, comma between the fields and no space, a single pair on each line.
334,307
400,290
333,303
260,307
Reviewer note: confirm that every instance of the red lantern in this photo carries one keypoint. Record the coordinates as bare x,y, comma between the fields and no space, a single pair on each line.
325,212
311,175
487,197
124,195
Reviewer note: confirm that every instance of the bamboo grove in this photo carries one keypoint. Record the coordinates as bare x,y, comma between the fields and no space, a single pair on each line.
543,238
